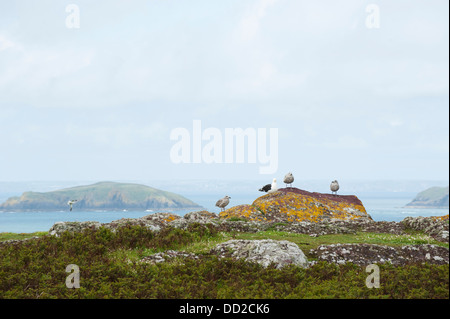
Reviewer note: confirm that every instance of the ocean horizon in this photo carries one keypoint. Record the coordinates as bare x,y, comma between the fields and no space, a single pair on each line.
381,207
383,200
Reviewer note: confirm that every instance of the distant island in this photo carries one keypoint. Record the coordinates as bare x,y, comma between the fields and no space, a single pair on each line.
434,197
99,196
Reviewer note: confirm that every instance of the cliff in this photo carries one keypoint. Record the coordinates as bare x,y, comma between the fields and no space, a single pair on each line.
434,197
99,196
293,204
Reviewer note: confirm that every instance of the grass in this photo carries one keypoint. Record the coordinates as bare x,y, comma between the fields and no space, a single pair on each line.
305,242
18,236
202,246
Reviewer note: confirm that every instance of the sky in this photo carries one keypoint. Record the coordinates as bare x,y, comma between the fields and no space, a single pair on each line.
95,92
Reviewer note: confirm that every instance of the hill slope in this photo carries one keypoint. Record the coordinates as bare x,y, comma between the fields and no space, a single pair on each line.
103,195
432,197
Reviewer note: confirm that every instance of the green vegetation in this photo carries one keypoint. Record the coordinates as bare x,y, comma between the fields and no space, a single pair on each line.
103,195
306,242
16,236
110,267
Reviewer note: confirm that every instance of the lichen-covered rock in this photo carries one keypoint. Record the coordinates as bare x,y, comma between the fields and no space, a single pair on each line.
367,225
242,226
202,217
248,212
154,222
441,218
434,226
17,241
366,254
265,252
168,255
58,228
314,229
293,204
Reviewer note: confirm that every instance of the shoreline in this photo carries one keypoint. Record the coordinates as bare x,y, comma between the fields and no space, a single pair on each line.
100,210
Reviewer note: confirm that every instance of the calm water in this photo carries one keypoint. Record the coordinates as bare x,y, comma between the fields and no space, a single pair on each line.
388,208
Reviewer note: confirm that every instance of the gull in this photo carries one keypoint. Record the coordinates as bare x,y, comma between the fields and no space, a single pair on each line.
265,188
71,202
273,187
223,202
334,187
288,179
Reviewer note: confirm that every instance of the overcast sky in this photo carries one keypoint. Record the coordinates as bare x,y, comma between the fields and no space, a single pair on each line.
99,102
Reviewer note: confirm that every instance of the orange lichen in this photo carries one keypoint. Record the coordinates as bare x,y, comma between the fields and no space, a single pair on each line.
445,217
169,217
248,212
298,205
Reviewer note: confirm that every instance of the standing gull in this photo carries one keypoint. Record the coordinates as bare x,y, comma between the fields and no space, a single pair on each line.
288,179
334,187
265,188
71,202
273,187
223,202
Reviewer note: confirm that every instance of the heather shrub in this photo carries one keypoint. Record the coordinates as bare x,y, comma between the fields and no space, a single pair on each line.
36,269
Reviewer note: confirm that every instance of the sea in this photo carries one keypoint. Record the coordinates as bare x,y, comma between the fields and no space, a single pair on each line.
384,205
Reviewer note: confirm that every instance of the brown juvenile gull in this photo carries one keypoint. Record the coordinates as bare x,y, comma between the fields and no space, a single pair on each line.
334,187
71,202
223,202
288,179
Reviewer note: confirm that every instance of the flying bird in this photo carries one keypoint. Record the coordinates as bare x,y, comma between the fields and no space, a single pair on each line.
334,187
288,179
222,203
71,202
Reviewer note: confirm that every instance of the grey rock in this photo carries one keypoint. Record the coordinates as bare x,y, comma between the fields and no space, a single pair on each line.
264,252
58,228
438,229
154,222
365,254
17,241
167,256
202,217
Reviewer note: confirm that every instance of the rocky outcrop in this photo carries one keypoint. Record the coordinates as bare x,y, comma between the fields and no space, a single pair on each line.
283,253
17,241
296,205
60,227
279,253
436,227
157,221
154,222
265,252
168,256
201,217
366,254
